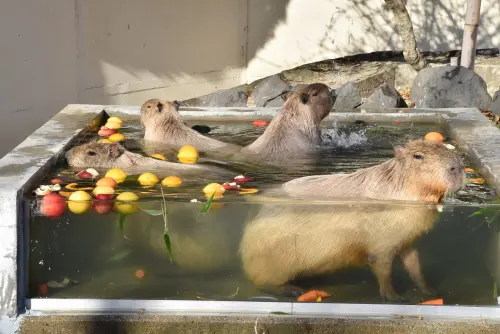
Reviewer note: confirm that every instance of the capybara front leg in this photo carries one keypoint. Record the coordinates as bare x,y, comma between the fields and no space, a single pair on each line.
382,268
411,261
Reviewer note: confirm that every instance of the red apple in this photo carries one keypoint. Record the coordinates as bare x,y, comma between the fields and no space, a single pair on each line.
242,179
56,181
53,205
230,186
106,132
103,207
104,197
84,175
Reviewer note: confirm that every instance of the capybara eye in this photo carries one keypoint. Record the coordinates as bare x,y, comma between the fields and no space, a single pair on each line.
149,107
418,156
91,153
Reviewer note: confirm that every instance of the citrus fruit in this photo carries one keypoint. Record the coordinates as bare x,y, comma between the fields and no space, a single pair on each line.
117,174
171,181
148,179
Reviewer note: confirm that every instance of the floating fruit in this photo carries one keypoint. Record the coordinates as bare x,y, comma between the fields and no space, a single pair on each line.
112,125
434,136
242,179
89,173
312,296
65,193
214,188
148,179
158,156
171,181
74,186
103,190
104,197
79,207
56,181
115,119
102,207
106,182
259,122
125,208
139,273
105,141
117,174
80,195
106,132
116,137
244,191
43,290
53,205
47,189
469,170
433,302
127,196
231,186
478,180
188,154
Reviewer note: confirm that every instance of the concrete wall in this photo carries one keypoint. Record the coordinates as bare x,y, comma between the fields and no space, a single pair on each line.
56,52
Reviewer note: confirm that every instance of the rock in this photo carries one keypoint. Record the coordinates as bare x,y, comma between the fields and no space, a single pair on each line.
299,86
385,96
232,97
268,92
449,87
495,106
346,97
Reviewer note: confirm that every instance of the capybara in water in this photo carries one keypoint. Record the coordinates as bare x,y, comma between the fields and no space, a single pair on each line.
284,242
294,131
105,156
163,123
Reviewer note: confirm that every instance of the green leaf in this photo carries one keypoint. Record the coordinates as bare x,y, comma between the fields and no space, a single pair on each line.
207,204
280,313
121,221
152,212
166,237
479,212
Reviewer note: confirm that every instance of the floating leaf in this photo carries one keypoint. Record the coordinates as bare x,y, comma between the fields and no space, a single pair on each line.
479,212
166,237
152,212
121,221
207,204
280,313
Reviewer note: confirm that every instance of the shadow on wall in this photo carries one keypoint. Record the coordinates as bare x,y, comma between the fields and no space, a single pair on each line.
131,51
331,29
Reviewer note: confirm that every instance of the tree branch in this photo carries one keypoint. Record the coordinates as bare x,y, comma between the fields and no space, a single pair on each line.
405,27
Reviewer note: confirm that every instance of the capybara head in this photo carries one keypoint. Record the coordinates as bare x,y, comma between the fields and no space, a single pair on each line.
430,168
318,96
156,111
94,154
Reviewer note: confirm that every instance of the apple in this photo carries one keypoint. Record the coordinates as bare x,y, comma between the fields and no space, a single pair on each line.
53,205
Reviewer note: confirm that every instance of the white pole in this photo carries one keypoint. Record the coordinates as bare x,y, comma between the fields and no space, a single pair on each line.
472,16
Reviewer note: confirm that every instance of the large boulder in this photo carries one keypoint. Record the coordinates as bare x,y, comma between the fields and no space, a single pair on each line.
347,96
495,106
268,92
232,97
385,96
449,87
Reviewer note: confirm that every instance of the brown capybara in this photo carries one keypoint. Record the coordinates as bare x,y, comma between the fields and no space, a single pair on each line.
294,131
105,156
163,123
284,242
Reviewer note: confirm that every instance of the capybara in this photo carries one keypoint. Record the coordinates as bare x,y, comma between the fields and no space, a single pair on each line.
284,242
163,123
294,131
104,155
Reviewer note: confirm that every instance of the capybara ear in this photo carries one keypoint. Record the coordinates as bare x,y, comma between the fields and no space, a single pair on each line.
286,95
177,104
159,105
304,98
114,150
400,152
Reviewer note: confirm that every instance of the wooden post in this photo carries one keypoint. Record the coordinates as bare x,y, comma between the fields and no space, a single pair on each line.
472,16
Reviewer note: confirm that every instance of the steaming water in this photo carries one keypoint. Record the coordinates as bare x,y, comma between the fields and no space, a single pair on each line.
101,260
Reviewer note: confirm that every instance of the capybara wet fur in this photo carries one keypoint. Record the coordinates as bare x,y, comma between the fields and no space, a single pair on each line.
285,242
105,156
163,123
294,131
